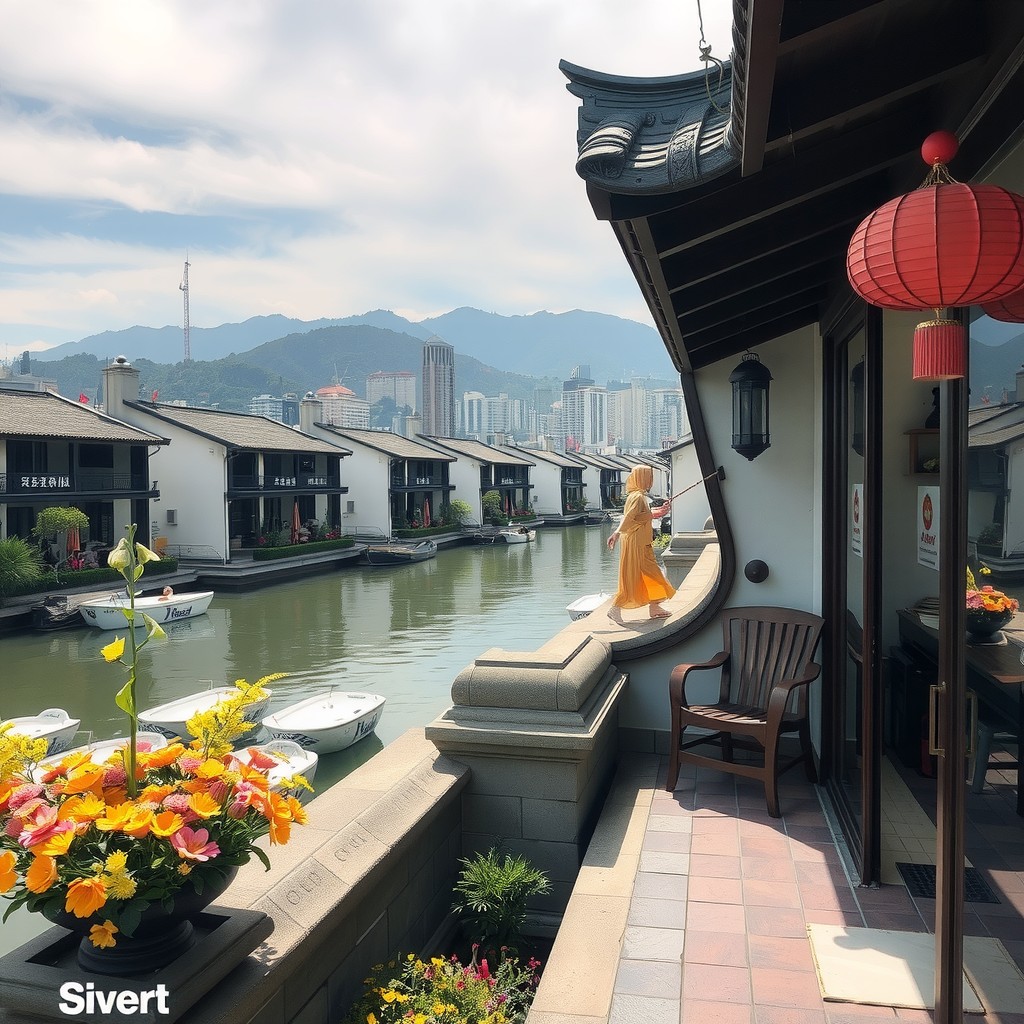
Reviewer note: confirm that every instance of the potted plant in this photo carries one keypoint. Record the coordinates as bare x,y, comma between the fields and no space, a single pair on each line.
127,849
988,610
990,540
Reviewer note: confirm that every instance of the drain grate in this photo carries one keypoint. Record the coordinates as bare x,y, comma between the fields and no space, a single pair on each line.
920,880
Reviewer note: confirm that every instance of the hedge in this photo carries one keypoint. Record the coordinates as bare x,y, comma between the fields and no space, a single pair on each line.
422,532
88,577
291,550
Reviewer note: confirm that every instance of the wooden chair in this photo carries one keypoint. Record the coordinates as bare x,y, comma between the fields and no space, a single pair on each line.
766,667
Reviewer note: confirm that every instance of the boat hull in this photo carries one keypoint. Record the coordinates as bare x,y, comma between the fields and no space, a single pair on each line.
170,719
54,725
329,722
400,554
107,613
515,536
583,606
292,760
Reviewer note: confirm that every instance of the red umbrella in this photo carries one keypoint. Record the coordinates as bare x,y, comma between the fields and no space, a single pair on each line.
74,541
426,511
296,523
508,504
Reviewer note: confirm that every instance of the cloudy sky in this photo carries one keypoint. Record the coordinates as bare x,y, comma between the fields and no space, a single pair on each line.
311,157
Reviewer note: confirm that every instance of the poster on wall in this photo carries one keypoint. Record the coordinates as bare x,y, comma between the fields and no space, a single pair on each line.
857,520
928,527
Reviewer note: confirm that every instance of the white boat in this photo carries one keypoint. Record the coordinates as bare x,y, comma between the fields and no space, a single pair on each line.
169,719
327,722
106,613
101,750
583,606
291,760
54,725
517,534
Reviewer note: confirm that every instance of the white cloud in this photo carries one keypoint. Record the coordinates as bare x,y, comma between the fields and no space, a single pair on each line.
335,157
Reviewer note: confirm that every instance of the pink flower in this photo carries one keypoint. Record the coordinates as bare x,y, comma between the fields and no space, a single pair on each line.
189,763
41,825
177,802
115,775
194,845
23,794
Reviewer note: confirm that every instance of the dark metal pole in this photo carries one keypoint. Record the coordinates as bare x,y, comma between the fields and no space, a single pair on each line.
950,730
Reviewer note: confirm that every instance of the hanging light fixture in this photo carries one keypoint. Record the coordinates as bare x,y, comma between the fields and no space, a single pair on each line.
750,381
946,244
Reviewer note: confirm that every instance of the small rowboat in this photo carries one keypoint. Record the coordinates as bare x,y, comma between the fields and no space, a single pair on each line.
54,725
328,722
517,534
583,606
291,760
106,613
169,719
398,553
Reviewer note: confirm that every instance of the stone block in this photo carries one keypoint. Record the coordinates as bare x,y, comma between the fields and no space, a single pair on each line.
315,1011
556,820
492,814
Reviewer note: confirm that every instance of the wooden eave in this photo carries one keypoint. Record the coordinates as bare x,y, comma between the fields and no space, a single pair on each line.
833,101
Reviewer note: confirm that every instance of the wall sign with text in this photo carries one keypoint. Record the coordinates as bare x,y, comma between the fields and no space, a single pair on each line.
928,526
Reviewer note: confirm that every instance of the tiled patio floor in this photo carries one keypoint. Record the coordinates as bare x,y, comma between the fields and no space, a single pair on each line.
715,928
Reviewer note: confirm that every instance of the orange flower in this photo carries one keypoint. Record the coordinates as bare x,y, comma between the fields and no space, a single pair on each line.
280,819
210,769
299,815
86,777
203,804
85,896
166,823
82,808
163,757
102,935
155,794
42,873
8,876
127,818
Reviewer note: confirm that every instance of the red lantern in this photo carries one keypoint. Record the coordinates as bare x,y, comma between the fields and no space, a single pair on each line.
1009,310
945,244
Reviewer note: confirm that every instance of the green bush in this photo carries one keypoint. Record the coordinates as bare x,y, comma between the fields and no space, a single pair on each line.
87,577
492,509
21,564
268,554
492,897
422,532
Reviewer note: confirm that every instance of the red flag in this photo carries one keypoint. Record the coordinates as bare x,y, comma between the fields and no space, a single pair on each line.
83,398
155,393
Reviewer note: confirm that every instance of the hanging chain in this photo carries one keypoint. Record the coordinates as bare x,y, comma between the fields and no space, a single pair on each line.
705,55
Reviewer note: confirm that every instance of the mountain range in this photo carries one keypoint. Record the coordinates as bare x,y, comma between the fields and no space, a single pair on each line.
536,345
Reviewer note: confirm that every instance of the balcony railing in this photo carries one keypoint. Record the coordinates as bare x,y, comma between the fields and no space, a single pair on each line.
282,482
73,483
418,481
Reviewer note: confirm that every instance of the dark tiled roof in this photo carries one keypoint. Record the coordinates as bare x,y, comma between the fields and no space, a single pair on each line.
391,444
237,430
997,437
601,461
478,450
42,414
555,458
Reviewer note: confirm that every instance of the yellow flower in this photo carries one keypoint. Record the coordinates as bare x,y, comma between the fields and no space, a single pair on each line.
119,558
388,995
8,876
144,555
203,804
102,935
117,862
85,896
120,886
57,845
114,650
370,1019
184,869
166,823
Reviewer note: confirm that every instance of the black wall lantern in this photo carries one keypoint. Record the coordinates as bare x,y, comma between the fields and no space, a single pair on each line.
750,381
857,426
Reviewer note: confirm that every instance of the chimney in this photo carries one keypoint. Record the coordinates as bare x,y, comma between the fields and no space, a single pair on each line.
311,410
120,385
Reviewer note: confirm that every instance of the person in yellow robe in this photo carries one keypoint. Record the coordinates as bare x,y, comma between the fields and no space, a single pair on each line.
641,581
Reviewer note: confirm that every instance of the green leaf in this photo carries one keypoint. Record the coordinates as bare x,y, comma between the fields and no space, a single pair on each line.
262,857
125,698
129,919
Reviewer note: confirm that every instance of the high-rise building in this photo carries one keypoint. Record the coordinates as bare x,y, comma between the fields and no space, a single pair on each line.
584,412
343,408
438,406
398,385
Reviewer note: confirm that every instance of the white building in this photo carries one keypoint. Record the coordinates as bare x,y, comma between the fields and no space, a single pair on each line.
557,478
480,468
343,408
227,479
492,418
398,385
438,388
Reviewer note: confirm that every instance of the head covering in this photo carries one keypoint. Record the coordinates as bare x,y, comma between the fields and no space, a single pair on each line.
640,479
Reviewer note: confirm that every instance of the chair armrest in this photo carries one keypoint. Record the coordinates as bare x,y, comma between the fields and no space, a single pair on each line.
779,697
677,680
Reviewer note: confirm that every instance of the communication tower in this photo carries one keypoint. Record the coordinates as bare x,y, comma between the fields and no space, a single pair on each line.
184,288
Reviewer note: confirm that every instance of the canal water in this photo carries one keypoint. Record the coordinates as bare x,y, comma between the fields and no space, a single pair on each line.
403,631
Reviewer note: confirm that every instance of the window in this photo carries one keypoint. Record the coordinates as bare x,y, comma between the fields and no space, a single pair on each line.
96,456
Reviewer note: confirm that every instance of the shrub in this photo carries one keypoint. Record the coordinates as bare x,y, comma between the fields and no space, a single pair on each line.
492,509
21,564
492,897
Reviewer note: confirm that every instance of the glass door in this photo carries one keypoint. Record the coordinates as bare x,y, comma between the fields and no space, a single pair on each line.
851,740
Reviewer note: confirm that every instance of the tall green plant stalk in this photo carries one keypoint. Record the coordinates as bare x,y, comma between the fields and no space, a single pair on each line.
129,559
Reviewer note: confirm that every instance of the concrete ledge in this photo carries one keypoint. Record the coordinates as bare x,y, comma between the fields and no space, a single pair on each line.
581,969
